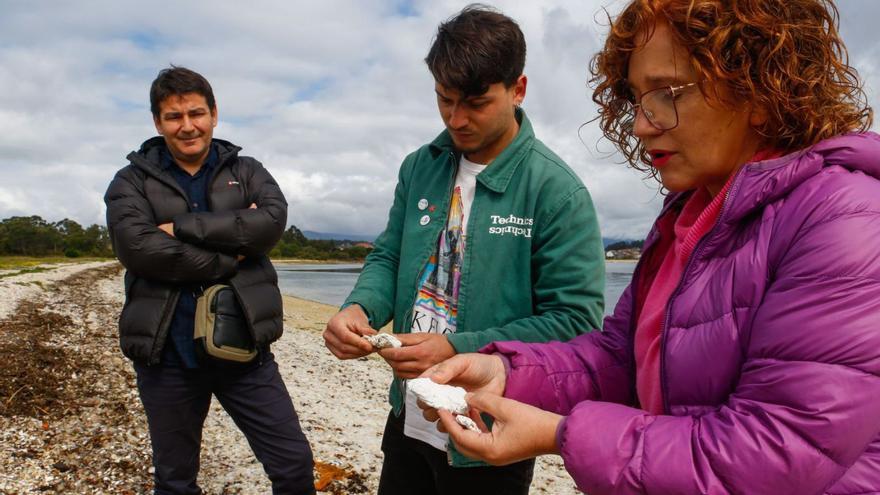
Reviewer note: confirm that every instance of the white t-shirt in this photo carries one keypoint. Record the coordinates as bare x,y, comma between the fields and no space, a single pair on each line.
436,306
466,182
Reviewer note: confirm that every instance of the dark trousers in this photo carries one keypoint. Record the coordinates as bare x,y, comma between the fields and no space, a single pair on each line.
414,467
176,401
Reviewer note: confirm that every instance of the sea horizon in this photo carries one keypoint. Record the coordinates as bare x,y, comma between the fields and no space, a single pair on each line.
330,283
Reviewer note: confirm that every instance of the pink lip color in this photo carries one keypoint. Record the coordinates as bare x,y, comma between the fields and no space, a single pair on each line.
660,157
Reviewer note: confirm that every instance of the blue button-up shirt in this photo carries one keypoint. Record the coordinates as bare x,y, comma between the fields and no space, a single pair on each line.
179,348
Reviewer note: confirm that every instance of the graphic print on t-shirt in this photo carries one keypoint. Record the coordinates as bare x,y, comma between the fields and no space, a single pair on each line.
436,306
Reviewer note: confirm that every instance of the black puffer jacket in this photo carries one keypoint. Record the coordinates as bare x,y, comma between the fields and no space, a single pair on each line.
204,248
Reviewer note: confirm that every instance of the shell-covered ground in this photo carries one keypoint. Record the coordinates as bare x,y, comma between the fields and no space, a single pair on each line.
71,420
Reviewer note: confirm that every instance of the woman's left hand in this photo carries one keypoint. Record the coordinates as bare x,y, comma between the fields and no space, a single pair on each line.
519,432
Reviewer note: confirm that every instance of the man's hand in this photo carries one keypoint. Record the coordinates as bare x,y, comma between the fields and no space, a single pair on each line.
168,228
420,351
519,432
343,333
475,372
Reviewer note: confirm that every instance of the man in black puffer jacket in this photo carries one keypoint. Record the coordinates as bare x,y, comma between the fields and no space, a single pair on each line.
186,213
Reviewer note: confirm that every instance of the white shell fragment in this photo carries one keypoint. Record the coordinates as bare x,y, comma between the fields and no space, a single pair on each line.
383,340
439,396
467,423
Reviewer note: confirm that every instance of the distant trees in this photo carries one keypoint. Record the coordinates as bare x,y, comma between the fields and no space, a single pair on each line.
294,244
33,236
625,245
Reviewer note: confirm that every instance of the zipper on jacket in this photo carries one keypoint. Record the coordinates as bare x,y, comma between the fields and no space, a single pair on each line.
164,324
694,255
408,314
633,327
466,261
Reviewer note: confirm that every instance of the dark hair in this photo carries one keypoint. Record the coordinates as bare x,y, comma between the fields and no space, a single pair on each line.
783,55
477,47
178,81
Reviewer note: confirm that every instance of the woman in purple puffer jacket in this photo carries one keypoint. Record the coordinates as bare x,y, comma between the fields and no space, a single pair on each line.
744,356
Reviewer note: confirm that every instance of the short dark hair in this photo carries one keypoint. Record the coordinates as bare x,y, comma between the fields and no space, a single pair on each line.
477,47
178,81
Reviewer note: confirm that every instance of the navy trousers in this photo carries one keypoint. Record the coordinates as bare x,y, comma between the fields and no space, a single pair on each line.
176,401
414,467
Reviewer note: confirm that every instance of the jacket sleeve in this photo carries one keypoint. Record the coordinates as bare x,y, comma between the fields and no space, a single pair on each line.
808,398
376,286
568,279
250,232
556,376
149,252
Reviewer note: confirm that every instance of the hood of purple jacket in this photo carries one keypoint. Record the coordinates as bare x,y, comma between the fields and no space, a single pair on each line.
764,182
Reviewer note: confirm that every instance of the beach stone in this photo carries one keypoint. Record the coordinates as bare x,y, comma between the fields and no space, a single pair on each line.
439,396
383,340
467,423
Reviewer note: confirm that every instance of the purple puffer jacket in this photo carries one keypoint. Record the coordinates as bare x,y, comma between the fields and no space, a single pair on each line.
770,352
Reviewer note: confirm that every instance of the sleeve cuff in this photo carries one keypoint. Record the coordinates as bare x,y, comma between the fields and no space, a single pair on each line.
560,431
505,361
463,342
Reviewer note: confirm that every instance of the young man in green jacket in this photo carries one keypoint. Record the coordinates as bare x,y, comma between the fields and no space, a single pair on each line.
490,237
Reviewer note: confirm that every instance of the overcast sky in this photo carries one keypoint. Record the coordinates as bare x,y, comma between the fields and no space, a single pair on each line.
329,95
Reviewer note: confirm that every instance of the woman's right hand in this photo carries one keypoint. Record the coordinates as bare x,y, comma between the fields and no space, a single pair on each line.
474,372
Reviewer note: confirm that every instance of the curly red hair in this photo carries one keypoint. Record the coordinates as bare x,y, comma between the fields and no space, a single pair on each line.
785,56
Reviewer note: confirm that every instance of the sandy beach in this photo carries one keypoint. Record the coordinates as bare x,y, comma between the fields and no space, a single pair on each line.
71,420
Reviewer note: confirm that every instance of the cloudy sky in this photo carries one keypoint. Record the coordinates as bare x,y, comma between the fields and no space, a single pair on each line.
329,95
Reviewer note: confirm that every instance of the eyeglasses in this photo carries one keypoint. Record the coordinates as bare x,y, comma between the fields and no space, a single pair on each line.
658,105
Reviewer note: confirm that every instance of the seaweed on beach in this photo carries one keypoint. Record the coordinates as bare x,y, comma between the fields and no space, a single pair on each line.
33,371
66,401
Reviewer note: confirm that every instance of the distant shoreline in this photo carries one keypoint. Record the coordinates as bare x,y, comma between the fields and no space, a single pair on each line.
313,306
292,261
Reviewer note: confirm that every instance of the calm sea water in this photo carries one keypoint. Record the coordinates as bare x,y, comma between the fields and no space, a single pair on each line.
330,284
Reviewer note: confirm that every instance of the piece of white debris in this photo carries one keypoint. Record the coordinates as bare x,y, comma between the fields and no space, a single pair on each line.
383,340
439,396
467,422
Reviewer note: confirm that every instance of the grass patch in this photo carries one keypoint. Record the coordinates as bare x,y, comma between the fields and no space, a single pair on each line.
36,269
27,262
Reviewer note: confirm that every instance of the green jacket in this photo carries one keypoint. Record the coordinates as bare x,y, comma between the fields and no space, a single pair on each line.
533,269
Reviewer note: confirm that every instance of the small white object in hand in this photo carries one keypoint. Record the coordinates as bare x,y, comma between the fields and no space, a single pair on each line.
383,340
467,423
439,396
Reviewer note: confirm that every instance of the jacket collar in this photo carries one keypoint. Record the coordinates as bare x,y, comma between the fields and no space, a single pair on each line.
497,175
764,182
758,184
149,156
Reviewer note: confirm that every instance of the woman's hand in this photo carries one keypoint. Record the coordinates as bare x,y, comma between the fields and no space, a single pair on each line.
519,432
474,372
